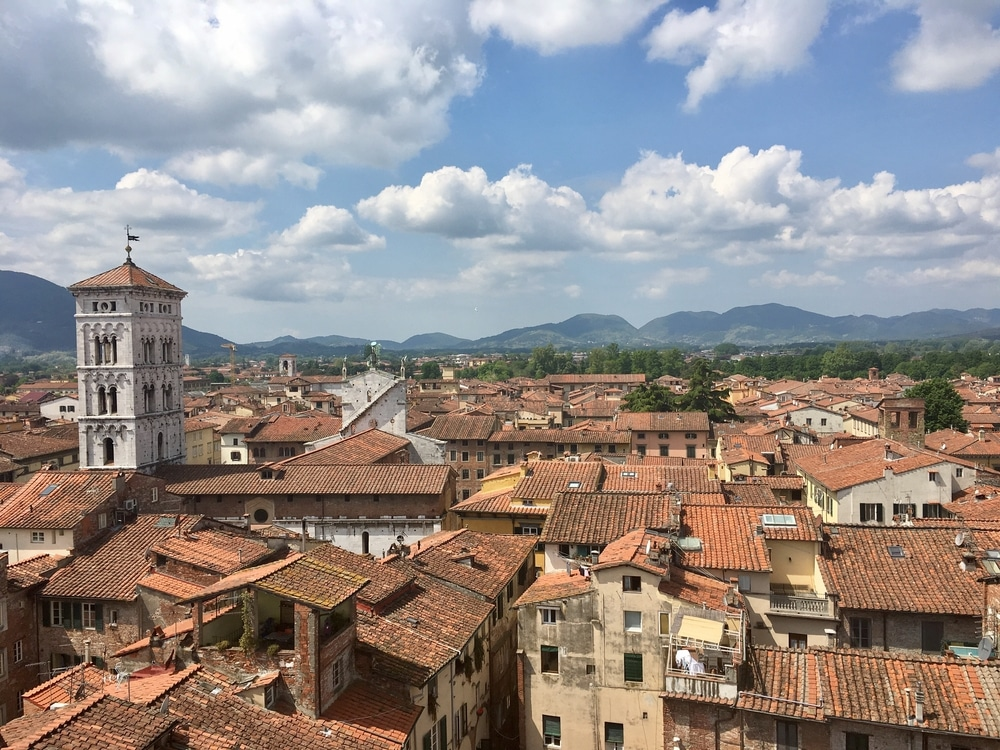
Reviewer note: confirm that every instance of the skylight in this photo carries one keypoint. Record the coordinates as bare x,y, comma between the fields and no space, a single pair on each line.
629,474
777,519
165,522
896,551
48,490
574,485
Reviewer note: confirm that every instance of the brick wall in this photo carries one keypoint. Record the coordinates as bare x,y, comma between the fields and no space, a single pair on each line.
701,725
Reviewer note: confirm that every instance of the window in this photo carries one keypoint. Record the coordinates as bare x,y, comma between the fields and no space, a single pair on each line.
3,662
480,456
55,616
3,614
38,537
529,530
641,435
480,473
548,615
809,420
286,451
631,583
664,623
690,451
465,456
550,659
797,640
872,513
861,632
933,510
786,735
959,472
465,473
633,667
633,621
551,731
931,636
234,455
614,736
662,435
641,450
855,741
89,616
664,450
18,651
452,455
102,520
822,422
337,675
932,476
496,459
743,582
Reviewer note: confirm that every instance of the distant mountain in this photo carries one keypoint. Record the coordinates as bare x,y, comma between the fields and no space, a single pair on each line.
37,316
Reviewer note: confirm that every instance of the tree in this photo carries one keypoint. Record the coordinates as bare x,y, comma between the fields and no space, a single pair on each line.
430,371
703,396
942,405
651,397
725,350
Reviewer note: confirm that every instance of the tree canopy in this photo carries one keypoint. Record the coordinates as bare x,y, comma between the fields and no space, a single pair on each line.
942,405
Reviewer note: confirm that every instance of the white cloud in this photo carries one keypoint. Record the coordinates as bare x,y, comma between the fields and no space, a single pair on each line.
785,278
551,27
956,46
573,291
658,285
328,228
959,274
988,163
237,91
741,40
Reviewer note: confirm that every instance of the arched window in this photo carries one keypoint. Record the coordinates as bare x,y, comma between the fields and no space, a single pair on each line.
113,400
109,451
114,350
168,397
97,350
148,398
166,354
159,446
102,401
364,542
107,351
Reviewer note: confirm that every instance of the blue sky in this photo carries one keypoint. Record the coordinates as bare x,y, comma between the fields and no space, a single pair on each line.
377,169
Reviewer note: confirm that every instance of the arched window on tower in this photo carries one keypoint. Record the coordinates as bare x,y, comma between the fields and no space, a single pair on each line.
102,401
159,446
168,397
109,451
148,398
97,350
113,400
114,350
167,346
148,348
107,351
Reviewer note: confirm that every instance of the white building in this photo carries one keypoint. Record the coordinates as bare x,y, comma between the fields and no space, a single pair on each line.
128,350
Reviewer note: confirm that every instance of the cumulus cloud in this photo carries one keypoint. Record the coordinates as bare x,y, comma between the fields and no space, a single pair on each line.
785,278
956,45
741,40
659,284
329,228
553,27
84,229
237,92
959,274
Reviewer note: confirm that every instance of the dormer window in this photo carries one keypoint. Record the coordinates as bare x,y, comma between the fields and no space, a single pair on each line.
266,474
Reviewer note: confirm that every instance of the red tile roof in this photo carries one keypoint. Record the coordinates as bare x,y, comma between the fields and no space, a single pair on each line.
475,560
213,550
462,427
126,275
376,479
368,447
111,566
600,518
585,437
663,421
926,577
865,462
556,585
543,480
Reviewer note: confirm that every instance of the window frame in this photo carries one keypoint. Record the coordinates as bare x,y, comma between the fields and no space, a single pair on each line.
860,630
632,628
549,615
551,731
549,656
632,663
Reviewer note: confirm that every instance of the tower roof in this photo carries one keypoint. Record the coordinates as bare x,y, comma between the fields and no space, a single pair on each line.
128,274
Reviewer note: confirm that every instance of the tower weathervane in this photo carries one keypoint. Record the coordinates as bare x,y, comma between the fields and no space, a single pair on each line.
129,238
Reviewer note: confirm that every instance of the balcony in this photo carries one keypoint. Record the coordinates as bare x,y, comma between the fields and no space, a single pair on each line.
802,606
702,685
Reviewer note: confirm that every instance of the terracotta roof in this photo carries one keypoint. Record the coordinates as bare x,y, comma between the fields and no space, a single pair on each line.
295,428
924,576
567,436
865,462
128,274
179,629
497,502
630,549
600,518
475,560
241,579
374,479
32,571
368,447
315,579
56,499
110,567
695,588
749,493
462,427
170,585
384,581
213,550
663,421
556,585
375,710
404,654
651,478
961,697
543,480
27,444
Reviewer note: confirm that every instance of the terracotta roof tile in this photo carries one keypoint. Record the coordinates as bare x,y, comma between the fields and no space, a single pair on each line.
556,585
56,499
695,588
375,479
925,577
462,427
543,480
315,579
587,437
368,447
375,710
477,561
126,275
213,550
663,421
600,518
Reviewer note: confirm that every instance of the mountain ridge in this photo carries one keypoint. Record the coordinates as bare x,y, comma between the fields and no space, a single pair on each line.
36,316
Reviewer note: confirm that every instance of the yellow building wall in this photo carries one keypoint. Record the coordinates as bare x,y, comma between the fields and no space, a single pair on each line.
793,563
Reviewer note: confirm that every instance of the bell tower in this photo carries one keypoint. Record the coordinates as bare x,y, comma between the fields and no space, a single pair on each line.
128,363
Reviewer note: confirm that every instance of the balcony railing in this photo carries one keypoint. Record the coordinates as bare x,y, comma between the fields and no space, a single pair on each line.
702,685
802,606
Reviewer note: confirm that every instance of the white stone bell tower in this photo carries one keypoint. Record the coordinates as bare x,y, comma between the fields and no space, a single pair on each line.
128,355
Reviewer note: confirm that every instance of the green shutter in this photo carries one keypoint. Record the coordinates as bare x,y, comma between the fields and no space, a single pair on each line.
77,609
614,732
46,618
443,733
426,744
633,667
551,726
99,616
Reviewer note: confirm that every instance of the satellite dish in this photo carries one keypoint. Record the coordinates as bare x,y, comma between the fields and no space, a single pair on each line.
960,539
399,538
986,646
963,566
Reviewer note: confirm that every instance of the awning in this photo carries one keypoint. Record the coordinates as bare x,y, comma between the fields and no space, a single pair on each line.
700,629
